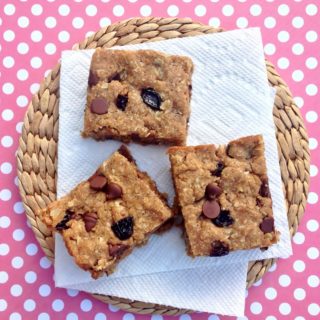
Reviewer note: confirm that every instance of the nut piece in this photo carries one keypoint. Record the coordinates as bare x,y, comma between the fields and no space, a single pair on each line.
90,220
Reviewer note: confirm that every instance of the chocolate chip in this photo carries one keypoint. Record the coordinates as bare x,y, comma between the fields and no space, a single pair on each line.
113,191
264,189
259,202
62,225
151,98
114,77
211,209
90,220
267,225
99,106
124,151
217,172
93,79
97,182
121,102
116,250
123,229
219,248
212,191
224,219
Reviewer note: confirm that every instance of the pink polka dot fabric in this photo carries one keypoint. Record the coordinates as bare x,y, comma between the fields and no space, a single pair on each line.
33,34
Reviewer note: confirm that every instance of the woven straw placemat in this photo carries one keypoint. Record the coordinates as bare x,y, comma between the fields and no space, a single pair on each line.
37,153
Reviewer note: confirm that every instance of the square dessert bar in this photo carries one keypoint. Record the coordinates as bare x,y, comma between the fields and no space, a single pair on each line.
104,218
141,96
224,196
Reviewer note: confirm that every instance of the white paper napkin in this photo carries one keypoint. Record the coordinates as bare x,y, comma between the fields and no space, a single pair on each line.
230,98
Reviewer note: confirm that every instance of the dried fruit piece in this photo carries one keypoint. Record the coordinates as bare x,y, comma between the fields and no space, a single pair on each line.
211,209
151,98
123,229
212,191
99,106
219,248
217,172
224,219
113,191
264,189
121,102
90,220
62,225
267,225
116,250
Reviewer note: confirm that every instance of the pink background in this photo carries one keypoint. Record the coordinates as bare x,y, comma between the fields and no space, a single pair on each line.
33,34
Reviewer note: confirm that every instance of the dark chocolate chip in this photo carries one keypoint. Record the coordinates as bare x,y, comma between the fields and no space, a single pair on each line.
219,248
90,220
224,219
62,225
114,77
99,106
123,229
264,189
121,102
211,209
116,250
212,191
151,98
97,182
93,79
113,191
267,225
218,170
124,151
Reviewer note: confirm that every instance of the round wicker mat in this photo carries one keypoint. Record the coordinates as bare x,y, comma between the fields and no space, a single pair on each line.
37,153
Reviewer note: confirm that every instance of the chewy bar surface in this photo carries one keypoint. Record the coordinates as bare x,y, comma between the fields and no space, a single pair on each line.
103,219
224,196
141,96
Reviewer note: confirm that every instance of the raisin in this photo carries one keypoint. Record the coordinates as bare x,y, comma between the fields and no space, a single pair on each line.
123,229
224,219
62,225
217,172
121,102
151,98
219,248
264,189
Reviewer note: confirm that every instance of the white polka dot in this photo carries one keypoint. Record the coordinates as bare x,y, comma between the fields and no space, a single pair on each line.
298,22
311,116
255,10
8,62
44,290
313,309
299,294
258,283
145,10
173,10
270,22
78,23
311,9
311,63
313,173
214,22
72,316
256,308
285,308
283,36
200,10
269,48
3,305
242,22
283,63
57,305
7,88
86,305
50,22
311,36
45,263
64,10
23,22
311,89
9,9
312,198
313,143
271,318
113,308
6,168
118,10
299,101
29,305
18,234
36,62
18,207
313,225
3,277
9,35
299,266
72,292
284,280
16,290
22,74
19,126
299,238
313,281
270,293
30,277
283,10
15,316
50,48
63,36
297,48
17,262
273,267
5,194
36,36
297,75
130,316
102,316
23,48
43,316
7,114
299,318
104,22
4,222
313,253
227,10
36,9
91,10
31,249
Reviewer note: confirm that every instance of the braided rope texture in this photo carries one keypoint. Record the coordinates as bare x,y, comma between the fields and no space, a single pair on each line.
37,153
